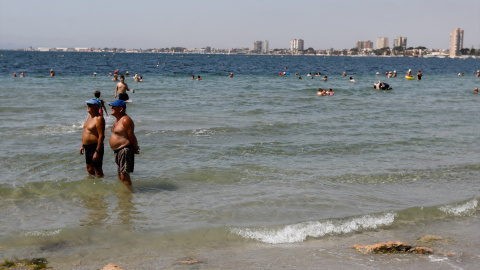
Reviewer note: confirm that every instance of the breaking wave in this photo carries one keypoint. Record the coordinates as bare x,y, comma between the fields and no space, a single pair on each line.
299,232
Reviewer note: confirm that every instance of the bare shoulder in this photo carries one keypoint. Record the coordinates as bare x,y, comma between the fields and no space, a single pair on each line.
127,119
100,118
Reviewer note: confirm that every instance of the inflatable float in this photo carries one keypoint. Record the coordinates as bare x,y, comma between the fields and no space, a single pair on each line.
409,77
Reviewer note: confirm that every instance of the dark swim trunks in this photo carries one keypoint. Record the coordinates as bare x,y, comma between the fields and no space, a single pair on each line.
123,97
125,159
90,151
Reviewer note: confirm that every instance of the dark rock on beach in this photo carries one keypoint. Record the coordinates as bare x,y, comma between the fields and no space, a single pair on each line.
392,247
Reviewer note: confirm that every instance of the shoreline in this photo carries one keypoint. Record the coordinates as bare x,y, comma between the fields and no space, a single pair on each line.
458,250
463,57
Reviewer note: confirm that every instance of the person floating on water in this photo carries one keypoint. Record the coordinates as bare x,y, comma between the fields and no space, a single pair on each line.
351,79
102,108
14,74
122,89
409,73
330,92
199,78
22,75
320,92
231,75
52,73
381,86
93,137
394,74
475,91
123,142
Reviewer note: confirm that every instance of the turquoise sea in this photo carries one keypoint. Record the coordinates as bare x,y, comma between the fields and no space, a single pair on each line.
250,172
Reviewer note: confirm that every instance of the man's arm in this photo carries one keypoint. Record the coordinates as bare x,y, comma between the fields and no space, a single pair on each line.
104,109
129,128
116,90
126,87
101,135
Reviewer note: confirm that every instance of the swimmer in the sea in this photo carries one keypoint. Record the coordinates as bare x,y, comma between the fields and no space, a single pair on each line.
102,108
419,75
409,73
351,79
475,91
121,89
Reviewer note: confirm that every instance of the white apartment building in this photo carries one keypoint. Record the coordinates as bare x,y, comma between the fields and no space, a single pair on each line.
456,42
382,42
296,45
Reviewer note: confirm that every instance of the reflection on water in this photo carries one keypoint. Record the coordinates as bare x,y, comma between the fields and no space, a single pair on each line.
126,210
97,204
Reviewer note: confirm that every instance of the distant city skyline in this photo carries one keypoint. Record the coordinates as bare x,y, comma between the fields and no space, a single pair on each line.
226,24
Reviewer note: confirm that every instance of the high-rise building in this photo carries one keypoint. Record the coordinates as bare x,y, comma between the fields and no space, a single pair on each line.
456,42
265,46
296,45
257,46
382,42
400,42
364,45
260,46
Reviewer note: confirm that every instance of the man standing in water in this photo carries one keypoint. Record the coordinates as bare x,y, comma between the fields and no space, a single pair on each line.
93,137
122,89
123,141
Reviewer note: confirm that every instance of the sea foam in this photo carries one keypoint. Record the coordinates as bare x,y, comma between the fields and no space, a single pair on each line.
460,209
299,232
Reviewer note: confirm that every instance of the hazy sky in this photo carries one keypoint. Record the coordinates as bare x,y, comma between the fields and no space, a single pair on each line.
226,24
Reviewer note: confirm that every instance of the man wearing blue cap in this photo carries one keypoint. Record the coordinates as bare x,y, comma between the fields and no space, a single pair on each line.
123,141
92,138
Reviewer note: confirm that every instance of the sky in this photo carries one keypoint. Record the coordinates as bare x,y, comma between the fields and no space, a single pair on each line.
226,24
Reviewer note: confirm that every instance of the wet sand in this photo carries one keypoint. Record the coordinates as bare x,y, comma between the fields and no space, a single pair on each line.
458,249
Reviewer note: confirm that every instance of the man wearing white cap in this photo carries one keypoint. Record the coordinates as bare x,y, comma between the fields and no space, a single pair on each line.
93,137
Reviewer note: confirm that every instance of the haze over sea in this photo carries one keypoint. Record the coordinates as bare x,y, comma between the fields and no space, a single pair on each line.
250,172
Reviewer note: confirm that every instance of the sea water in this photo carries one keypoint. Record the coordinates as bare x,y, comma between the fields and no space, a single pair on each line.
246,164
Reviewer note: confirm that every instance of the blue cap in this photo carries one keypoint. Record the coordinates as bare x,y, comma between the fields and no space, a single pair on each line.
118,103
94,101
